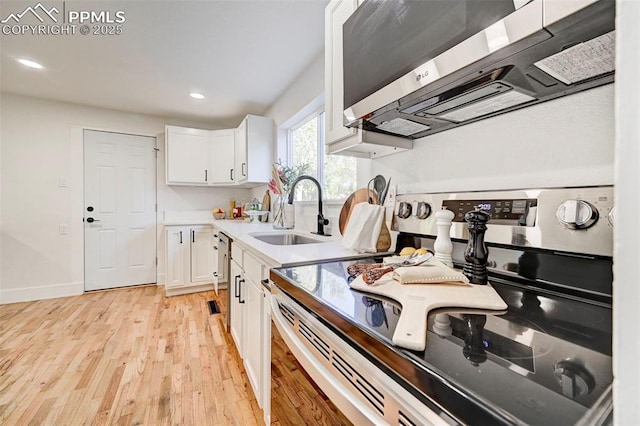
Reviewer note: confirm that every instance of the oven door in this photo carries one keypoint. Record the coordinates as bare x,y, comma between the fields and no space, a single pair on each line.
363,392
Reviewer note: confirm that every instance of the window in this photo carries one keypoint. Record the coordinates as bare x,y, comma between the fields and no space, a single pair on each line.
336,173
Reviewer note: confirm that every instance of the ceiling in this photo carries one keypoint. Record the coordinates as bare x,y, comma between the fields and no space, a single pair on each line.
240,54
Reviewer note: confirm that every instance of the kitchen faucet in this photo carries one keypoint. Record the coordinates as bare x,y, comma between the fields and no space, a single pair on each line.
321,220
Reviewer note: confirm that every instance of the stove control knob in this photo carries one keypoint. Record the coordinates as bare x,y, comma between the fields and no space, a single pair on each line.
574,380
612,216
577,214
404,211
423,211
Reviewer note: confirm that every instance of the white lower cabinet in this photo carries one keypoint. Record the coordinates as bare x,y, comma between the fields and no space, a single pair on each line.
253,356
250,321
218,269
190,259
236,306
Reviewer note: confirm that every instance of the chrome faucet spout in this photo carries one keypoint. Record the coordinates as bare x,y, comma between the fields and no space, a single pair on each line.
321,221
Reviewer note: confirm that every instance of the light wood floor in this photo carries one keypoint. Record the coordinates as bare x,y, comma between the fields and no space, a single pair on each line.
135,357
127,356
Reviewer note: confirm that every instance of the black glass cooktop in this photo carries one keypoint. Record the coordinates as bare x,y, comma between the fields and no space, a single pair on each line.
546,360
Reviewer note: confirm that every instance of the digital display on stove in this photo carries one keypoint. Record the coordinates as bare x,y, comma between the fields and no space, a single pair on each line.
512,211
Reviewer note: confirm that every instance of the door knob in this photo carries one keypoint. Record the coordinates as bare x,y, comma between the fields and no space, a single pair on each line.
90,220
90,208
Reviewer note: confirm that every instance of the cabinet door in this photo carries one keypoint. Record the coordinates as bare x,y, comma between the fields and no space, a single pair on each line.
253,340
236,307
336,13
266,354
177,256
260,146
201,254
241,152
217,278
187,155
222,156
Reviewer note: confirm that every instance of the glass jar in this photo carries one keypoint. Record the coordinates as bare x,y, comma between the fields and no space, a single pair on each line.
283,213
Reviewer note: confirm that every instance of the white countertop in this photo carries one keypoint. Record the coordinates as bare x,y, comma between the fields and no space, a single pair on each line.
285,255
188,222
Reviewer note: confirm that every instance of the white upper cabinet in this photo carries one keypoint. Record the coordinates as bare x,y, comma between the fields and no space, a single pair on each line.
254,149
222,156
338,138
336,13
241,152
187,155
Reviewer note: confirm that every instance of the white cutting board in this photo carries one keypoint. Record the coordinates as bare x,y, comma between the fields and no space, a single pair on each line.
418,300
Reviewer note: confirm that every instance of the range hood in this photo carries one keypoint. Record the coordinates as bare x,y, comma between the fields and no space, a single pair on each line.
417,67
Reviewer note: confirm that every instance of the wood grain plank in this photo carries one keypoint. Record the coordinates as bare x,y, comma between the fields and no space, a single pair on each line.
135,357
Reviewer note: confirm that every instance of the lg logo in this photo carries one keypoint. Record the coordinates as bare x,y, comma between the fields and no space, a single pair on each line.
422,75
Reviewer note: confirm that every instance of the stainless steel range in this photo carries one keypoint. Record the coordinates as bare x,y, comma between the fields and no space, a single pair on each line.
547,360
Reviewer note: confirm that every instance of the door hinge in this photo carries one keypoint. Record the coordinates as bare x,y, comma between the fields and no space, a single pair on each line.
156,207
156,261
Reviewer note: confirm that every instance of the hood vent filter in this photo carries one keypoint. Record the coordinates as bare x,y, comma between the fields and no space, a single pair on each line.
582,61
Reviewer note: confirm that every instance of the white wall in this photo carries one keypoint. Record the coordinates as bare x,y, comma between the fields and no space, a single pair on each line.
564,142
626,268
304,96
41,142
308,86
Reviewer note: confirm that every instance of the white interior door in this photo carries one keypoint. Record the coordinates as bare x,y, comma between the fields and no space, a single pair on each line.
119,210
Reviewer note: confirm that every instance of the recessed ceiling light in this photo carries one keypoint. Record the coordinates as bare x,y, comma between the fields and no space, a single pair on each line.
30,64
195,95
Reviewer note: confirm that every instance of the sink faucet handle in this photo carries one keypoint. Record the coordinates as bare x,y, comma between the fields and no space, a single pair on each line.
321,223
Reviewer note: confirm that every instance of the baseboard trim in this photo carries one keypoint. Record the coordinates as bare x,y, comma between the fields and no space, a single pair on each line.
186,290
29,294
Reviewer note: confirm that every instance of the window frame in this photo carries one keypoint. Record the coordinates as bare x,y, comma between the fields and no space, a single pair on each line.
320,114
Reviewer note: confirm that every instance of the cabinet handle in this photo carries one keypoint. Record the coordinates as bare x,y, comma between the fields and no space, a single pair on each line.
239,299
206,176
193,236
180,237
235,291
231,173
243,166
215,274
215,248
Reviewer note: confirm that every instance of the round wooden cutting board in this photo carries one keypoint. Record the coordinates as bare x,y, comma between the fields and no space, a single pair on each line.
360,196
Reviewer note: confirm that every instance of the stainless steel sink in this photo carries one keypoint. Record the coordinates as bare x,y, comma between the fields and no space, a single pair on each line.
286,239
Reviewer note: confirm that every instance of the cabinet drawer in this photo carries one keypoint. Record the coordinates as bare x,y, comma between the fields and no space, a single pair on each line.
237,254
252,268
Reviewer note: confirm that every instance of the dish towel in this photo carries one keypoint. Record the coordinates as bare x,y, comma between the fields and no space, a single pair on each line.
363,228
431,272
